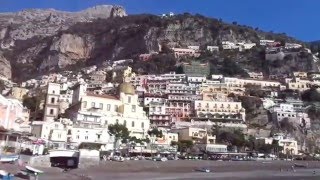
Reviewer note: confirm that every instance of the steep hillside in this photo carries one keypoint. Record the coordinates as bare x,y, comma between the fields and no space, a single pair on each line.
91,41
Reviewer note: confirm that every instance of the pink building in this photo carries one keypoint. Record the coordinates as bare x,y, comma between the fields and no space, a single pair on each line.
12,114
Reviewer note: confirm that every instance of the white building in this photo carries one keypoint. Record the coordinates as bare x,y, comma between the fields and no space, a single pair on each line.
296,115
197,48
236,82
213,48
101,110
264,42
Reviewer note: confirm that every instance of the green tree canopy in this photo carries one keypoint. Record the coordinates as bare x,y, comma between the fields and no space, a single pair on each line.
119,131
155,132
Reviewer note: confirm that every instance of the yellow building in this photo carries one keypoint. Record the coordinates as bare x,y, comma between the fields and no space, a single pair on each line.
211,91
18,92
197,135
220,110
298,84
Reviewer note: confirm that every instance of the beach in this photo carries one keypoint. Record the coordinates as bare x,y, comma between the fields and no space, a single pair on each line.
183,169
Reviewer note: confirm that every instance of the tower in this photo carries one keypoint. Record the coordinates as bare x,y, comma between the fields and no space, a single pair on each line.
51,107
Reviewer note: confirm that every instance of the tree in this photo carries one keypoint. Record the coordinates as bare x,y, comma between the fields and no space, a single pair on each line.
310,95
30,102
235,138
155,132
183,145
119,131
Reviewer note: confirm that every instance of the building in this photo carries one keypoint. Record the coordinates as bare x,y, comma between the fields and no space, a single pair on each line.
196,48
213,48
237,82
18,93
52,106
300,74
98,77
185,52
227,45
256,75
289,145
13,116
293,112
222,111
98,110
201,139
298,84
196,68
264,42
292,46
158,115
213,91
197,135
146,57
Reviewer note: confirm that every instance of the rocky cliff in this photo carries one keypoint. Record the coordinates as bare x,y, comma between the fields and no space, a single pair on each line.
39,41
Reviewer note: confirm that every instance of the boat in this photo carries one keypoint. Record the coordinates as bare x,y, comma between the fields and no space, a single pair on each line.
203,169
9,158
33,170
64,158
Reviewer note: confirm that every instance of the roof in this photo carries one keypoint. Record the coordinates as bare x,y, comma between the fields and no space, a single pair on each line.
102,96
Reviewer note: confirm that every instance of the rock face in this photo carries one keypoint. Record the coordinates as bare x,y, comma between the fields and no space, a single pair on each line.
40,41
66,50
36,22
5,67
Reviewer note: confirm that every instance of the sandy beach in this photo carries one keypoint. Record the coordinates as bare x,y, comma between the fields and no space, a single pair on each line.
182,169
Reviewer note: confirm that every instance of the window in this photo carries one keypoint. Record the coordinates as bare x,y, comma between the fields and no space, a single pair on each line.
59,135
116,108
51,111
133,108
117,121
98,136
52,100
93,104
124,122
77,137
132,124
84,104
142,125
101,106
56,126
129,99
108,107
53,92
86,137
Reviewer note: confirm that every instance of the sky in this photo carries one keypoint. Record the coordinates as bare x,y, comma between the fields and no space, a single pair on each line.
297,18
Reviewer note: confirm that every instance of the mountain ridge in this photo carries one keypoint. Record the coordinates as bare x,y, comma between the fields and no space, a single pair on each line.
93,41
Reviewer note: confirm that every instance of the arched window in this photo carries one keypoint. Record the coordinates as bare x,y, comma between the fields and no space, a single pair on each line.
52,100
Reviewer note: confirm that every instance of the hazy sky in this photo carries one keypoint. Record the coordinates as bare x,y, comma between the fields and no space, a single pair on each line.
297,18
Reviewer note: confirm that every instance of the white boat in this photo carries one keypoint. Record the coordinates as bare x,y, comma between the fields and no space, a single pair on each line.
205,170
9,159
33,170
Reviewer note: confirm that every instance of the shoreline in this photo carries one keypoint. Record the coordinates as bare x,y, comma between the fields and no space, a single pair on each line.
185,169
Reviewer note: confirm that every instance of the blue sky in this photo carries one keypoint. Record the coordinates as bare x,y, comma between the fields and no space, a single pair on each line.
297,18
